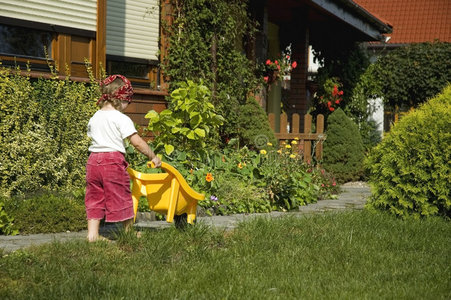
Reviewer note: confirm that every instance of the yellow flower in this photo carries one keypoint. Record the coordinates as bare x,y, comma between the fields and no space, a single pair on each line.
263,151
279,151
269,144
288,146
294,142
240,166
292,156
296,138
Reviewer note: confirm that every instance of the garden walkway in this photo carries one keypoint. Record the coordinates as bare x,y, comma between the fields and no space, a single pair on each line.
353,196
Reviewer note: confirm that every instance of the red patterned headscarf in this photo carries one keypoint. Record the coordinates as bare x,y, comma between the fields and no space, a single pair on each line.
123,93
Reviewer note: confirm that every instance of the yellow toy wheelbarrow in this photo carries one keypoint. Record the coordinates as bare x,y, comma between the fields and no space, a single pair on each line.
167,193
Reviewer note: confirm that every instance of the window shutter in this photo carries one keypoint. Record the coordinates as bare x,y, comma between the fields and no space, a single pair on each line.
133,28
79,14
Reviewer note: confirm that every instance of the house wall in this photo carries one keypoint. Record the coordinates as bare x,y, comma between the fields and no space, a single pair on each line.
78,31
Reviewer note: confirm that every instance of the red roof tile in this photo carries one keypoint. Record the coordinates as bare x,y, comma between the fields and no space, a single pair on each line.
413,21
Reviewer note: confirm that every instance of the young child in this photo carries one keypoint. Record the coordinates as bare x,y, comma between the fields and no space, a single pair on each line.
108,192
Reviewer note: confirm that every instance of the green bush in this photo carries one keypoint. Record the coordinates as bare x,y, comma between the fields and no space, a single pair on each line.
234,196
410,171
47,212
43,132
343,149
254,130
6,221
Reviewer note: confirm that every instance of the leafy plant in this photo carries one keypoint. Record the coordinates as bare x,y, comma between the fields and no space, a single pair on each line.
189,123
410,171
205,43
343,149
410,75
6,221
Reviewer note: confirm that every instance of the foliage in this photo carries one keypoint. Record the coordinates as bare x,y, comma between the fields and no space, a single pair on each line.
43,142
361,107
343,149
410,75
47,212
205,43
6,221
289,185
241,180
343,61
328,98
253,127
410,171
189,123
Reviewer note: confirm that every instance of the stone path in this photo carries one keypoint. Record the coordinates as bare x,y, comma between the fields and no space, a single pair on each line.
353,196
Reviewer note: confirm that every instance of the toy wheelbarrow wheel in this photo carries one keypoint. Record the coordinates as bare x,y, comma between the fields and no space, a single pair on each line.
167,193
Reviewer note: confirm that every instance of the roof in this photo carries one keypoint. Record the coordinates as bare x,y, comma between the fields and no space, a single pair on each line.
413,21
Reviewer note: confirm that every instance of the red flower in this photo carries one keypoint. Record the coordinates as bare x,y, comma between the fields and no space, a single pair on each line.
337,101
329,104
331,108
276,62
266,78
340,93
294,65
288,57
335,91
268,62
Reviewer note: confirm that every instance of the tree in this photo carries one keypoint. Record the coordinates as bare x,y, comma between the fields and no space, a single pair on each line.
411,75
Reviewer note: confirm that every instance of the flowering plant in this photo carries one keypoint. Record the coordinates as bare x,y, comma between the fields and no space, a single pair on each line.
280,69
332,96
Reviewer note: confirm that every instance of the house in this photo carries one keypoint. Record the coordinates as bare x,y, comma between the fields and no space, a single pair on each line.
414,21
125,36
113,35
302,24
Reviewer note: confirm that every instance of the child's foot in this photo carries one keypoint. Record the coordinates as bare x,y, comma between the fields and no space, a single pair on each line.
97,238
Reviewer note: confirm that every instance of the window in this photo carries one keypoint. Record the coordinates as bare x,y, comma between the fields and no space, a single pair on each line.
20,41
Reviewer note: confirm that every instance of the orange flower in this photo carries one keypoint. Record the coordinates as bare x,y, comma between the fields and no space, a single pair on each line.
191,171
209,177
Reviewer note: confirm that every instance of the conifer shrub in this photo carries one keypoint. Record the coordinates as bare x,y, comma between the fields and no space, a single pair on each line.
254,129
410,171
343,151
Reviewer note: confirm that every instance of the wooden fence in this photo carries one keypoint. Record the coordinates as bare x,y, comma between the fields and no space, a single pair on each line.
307,139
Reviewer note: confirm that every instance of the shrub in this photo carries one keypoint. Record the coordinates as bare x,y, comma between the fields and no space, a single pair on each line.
6,221
254,130
46,212
43,132
234,196
410,171
190,124
343,148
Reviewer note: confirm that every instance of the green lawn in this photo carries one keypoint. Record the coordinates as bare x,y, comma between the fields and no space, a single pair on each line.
355,255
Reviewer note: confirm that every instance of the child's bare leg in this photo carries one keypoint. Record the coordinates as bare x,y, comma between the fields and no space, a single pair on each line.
128,224
93,230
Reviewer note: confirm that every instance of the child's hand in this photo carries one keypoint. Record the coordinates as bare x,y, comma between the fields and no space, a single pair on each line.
156,161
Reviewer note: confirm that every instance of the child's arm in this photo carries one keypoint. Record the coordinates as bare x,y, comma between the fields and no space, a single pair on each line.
142,147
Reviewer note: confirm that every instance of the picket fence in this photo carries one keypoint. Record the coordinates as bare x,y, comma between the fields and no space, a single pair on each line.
309,142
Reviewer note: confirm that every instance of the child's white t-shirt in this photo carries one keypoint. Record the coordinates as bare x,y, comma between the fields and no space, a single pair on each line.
108,129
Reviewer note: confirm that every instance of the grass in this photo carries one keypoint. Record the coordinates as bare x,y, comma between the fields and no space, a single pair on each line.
355,255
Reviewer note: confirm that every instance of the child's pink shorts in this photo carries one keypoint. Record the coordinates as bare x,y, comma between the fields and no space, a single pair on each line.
108,187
